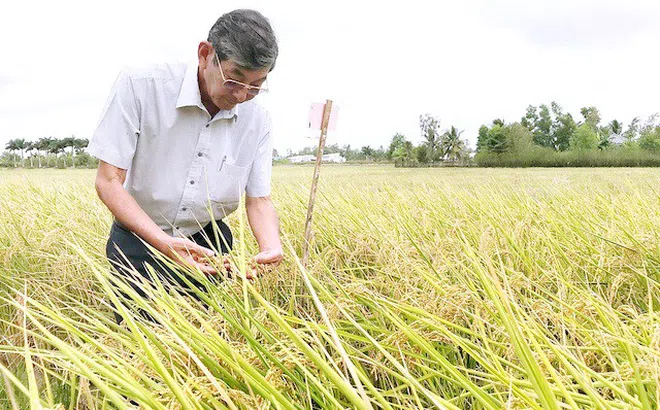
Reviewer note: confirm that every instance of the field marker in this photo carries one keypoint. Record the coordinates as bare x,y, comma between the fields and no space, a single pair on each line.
327,109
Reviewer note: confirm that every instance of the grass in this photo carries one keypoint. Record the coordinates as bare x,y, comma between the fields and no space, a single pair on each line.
426,288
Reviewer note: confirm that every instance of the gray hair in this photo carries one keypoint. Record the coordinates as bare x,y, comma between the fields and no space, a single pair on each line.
245,37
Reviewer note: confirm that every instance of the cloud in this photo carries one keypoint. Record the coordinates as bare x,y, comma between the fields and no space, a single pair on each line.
586,25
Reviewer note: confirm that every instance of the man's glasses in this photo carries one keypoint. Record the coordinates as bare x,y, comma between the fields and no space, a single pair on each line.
234,85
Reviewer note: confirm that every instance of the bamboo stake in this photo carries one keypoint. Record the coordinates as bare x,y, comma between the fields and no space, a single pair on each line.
317,170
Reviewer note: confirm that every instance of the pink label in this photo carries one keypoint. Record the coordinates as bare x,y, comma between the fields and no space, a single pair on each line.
316,116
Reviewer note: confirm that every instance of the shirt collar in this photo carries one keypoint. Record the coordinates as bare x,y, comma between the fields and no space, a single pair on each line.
189,95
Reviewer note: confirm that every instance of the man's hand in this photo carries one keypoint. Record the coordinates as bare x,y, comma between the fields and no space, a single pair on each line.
186,252
271,257
263,262
265,226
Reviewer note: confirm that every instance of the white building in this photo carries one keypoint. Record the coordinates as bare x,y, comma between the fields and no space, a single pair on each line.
336,157
302,159
617,139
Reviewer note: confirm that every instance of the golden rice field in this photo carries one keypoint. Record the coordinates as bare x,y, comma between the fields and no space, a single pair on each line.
426,288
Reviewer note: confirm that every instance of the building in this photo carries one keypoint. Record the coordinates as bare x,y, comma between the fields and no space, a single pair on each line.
617,139
303,159
336,158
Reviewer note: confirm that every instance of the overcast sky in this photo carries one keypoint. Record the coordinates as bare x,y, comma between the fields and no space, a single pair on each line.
464,62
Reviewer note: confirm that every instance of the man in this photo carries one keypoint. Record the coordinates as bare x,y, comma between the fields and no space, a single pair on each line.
178,145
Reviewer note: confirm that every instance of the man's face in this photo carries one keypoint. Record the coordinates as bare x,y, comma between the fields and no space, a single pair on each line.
227,84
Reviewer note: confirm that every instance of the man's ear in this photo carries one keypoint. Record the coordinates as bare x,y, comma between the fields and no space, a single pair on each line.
204,53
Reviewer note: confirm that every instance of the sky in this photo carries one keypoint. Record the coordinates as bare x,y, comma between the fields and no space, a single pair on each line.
465,62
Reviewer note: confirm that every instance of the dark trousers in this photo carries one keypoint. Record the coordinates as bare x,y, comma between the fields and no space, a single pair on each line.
133,249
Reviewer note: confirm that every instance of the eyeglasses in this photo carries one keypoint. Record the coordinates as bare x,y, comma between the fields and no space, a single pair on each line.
237,85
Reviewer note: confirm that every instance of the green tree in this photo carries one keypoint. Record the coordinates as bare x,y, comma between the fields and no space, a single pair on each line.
631,134
615,127
649,135
367,152
421,154
404,154
11,146
591,116
398,140
80,144
430,127
29,147
482,139
43,144
543,130
584,138
69,142
650,141
496,140
21,144
56,147
563,127
530,119
380,154
452,145
519,138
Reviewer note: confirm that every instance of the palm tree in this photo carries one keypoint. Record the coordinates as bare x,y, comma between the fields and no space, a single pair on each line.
616,127
404,153
69,142
80,144
55,147
29,146
42,145
452,145
11,146
20,146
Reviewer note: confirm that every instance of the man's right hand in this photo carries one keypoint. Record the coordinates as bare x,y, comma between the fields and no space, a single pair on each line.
109,186
186,252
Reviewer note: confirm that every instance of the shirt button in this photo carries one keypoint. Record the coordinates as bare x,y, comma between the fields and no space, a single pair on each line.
207,125
199,154
192,182
184,209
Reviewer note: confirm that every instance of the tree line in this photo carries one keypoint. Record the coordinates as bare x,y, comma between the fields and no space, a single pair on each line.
548,136
439,146
47,152
545,136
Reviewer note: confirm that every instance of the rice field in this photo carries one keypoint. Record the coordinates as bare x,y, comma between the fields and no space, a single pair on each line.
425,288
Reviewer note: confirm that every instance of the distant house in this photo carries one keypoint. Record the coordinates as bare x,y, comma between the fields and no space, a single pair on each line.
336,157
302,159
617,139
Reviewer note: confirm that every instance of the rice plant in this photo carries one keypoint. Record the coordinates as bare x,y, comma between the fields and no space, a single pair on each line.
425,288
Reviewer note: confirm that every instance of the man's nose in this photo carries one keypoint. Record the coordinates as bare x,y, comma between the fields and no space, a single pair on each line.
240,95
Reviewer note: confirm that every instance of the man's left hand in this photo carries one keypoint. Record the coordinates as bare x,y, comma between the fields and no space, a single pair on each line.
271,257
265,261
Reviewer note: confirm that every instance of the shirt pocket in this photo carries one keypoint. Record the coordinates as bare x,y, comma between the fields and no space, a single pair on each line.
228,184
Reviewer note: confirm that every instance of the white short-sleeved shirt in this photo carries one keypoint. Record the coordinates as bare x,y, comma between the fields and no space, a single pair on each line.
184,167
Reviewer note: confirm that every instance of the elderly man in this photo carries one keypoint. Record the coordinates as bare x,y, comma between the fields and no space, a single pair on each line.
179,144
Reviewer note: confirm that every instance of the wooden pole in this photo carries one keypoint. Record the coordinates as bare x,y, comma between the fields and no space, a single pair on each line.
317,170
